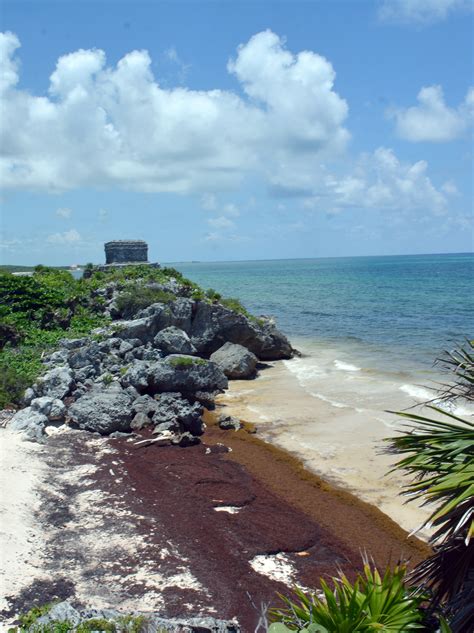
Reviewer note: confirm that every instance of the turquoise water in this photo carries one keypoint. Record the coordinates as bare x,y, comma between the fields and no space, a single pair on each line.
400,310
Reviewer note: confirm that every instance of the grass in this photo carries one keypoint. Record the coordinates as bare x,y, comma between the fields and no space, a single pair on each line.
139,297
182,363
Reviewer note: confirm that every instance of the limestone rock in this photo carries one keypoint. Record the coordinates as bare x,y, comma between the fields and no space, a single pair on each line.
172,340
186,374
235,361
214,325
56,383
52,408
227,422
103,410
173,408
29,422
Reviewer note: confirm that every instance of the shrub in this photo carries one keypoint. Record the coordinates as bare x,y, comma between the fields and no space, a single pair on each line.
371,603
132,301
182,362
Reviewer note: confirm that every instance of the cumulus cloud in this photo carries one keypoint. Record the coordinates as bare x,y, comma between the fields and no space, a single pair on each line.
68,237
420,12
432,119
64,212
110,126
380,181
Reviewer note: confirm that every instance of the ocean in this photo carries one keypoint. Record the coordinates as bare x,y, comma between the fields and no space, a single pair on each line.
369,329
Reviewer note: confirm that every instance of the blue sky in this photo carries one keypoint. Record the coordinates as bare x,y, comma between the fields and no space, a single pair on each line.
236,130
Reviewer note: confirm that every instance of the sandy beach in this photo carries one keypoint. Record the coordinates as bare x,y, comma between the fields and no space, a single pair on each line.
211,530
341,444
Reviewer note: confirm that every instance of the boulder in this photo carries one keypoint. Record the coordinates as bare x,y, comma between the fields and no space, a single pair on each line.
214,324
228,422
56,383
177,313
172,340
140,421
137,375
186,374
145,404
235,361
103,410
135,329
29,422
52,408
173,408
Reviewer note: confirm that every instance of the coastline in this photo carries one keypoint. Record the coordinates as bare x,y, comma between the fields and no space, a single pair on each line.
341,445
200,528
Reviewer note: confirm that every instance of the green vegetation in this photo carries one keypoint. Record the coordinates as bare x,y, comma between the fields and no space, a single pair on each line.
186,361
122,624
37,311
371,603
140,297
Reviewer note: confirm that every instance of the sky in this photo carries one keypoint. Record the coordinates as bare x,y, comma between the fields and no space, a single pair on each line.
233,130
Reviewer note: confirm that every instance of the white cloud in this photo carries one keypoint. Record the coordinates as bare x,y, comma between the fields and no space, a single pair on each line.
221,223
420,11
103,213
380,181
109,126
68,237
64,212
432,120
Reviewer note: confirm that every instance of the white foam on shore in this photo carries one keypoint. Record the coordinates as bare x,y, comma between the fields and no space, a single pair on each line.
419,393
339,364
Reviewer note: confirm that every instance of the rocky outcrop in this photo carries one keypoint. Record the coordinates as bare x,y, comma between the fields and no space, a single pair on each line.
214,325
172,340
150,622
103,410
184,349
235,361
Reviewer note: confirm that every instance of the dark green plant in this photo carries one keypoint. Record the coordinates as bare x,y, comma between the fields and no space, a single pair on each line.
372,603
459,362
186,361
139,297
439,454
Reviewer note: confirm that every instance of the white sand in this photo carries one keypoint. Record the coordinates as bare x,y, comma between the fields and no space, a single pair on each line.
21,536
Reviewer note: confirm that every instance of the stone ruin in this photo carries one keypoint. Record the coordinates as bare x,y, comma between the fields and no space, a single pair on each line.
126,252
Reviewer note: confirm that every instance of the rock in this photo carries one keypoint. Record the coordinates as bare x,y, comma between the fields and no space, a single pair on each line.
137,375
235,361
186,374
227,422
28,396
172,340
136,329
214,325
173,408
73,343
206,398
186,439
145,404
89,371
178,313
84,356
56,383
154,623
58,358
103,410
140,421
29,422
52,408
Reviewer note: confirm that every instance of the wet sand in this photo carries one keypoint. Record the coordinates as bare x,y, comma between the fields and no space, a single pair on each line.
341,445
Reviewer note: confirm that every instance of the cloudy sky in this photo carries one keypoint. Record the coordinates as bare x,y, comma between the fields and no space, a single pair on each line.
235,129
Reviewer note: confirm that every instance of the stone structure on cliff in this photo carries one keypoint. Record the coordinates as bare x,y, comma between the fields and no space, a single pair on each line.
126,252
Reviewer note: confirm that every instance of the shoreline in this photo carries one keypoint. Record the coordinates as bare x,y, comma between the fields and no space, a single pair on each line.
341,445
193,529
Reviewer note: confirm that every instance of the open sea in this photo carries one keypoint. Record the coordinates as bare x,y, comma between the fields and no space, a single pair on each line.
396,311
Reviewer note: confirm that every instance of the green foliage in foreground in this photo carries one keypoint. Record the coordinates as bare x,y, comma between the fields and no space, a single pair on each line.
439,454
371,603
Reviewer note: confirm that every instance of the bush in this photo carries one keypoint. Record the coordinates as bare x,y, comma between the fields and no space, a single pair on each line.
371,603
132,301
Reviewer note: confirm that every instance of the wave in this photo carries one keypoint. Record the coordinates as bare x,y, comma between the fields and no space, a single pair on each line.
339,364
333,403
417,392
425,395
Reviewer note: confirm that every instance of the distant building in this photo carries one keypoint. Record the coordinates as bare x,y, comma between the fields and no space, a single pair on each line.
126,252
